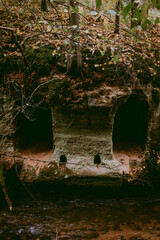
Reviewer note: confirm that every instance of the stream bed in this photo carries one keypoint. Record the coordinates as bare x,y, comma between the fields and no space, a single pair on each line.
82,218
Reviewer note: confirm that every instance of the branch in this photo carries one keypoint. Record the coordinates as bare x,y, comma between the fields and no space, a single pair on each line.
20,48
16,43
2,183
60,35
52,5
35,35
30,194
42,84
6,28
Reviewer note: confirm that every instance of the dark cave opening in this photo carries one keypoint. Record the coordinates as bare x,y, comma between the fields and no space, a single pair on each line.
130,126
97,159
63,159
34,130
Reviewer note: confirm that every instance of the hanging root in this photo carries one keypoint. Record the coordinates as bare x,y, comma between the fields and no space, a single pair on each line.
2,182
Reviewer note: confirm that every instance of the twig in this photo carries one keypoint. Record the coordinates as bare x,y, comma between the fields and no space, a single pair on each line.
16,43
42,84
26,8
20,48
6,28
52,5
37,34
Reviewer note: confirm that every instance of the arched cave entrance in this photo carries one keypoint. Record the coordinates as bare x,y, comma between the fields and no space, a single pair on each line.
34,130
130,128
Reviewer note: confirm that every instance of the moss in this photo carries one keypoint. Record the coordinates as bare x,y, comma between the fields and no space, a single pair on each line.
40,59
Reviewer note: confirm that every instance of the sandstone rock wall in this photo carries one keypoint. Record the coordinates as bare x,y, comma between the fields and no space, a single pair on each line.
84,132
81,135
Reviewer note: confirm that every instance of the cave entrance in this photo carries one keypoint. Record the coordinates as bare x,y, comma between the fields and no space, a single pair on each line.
130,128
34,131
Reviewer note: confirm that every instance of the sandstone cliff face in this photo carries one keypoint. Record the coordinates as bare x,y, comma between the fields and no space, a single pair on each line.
109,136
83,135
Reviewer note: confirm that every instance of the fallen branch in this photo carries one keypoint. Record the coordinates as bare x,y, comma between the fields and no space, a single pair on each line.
6,28
30,194
2,182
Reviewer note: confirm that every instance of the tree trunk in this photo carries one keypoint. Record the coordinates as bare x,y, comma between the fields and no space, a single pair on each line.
75,57
117,17
43,5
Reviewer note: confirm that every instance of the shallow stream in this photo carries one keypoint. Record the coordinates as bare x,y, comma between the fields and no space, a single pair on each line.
83,217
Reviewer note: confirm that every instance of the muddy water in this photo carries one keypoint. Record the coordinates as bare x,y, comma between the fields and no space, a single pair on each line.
123,218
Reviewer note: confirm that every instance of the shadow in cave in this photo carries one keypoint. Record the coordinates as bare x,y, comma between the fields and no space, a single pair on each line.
34,130
130,127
